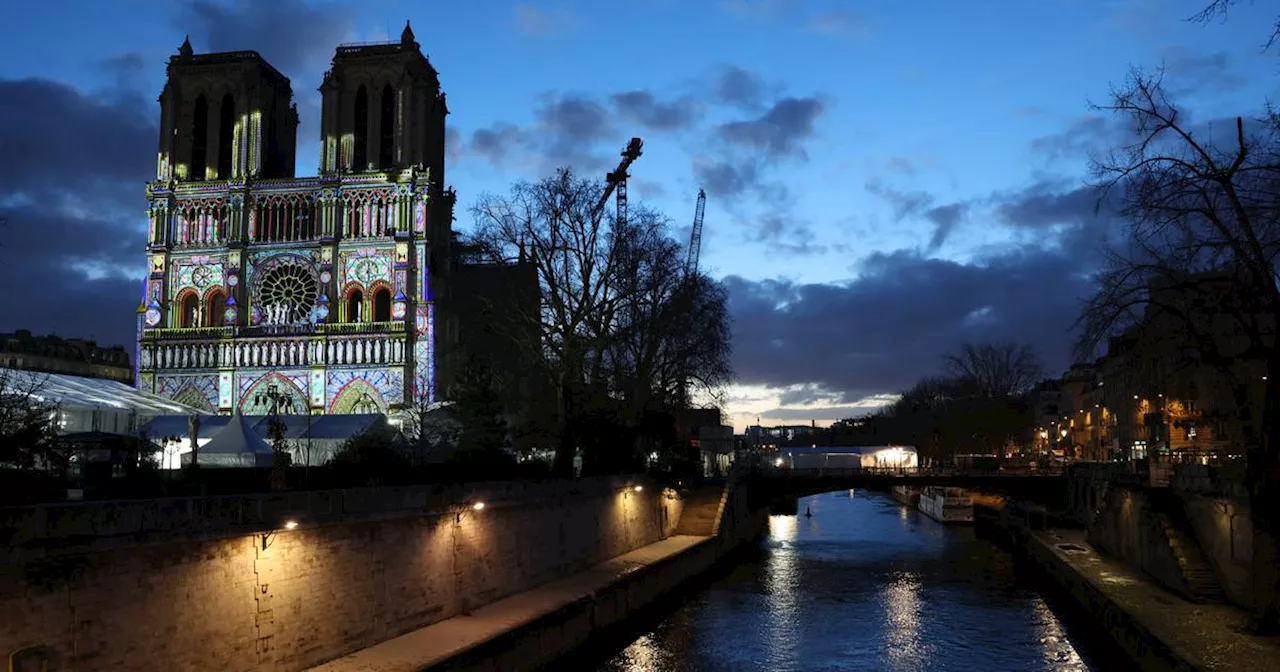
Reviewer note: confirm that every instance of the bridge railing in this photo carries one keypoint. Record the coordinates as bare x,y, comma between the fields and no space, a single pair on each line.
905,473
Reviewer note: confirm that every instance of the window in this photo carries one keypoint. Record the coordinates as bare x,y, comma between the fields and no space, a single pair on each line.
382,305
226,127
386,141
360,148
355,302
189,311
199,138
216,310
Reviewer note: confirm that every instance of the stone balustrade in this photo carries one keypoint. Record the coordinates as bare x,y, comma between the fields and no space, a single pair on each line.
285,352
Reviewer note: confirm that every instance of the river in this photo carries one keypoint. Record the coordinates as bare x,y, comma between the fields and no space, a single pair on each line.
862,584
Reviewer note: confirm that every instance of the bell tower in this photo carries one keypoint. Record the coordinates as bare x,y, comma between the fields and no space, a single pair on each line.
382,110
225,116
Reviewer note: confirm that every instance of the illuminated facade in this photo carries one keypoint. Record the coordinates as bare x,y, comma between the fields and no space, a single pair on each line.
313,294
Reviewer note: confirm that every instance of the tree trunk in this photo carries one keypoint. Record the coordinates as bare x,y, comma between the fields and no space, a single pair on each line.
568,446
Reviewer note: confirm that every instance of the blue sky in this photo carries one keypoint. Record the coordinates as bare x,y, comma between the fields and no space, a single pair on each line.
907,174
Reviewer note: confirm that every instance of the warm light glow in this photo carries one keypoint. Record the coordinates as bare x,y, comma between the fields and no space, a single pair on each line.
638,488
478,506
777,462
290,524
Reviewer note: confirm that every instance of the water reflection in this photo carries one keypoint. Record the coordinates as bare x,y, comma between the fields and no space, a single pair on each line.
864,584
782,577
901,603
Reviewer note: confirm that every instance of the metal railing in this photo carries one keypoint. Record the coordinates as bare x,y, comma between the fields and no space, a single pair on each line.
930,473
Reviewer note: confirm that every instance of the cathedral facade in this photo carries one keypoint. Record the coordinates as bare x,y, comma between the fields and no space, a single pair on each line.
272,293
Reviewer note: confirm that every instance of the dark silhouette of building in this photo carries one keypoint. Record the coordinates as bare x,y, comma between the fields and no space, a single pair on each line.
24,351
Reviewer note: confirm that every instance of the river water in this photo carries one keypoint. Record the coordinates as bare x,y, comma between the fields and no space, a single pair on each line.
862,584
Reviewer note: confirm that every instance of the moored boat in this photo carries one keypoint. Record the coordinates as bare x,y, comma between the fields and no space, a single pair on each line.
946,504
906,494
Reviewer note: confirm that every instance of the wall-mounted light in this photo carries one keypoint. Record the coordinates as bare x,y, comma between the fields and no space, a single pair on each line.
269,535
638,488
475,506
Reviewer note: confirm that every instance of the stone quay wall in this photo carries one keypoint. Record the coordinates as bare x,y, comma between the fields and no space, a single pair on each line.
227,583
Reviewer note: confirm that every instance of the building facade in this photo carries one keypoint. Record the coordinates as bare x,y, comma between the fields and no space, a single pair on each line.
272,293
24,351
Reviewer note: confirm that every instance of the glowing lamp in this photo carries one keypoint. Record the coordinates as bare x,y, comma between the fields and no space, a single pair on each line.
290,524
638,488
478,506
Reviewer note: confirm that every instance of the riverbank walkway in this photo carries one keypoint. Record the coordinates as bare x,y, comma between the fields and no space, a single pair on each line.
1208,636
452,637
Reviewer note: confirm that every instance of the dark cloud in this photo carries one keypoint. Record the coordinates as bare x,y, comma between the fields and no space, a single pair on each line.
293,35
945,218
913,204
72,191
779,132
891,326
643,108
739,87
1188,71
880,332
56,137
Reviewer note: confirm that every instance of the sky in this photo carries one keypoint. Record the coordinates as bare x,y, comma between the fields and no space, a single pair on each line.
885,180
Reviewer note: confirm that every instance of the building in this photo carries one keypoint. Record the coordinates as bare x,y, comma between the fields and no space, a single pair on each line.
1046,414
23,351
312,295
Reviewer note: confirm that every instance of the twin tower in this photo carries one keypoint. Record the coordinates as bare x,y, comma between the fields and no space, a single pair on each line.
230,116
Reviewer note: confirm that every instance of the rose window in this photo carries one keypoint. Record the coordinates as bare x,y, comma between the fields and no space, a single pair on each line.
287,294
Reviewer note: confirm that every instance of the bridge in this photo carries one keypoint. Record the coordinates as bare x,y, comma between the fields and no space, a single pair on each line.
775,484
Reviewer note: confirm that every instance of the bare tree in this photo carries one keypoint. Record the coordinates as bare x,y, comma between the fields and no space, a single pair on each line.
1198,279
28,423
619,324
995,370
1218,9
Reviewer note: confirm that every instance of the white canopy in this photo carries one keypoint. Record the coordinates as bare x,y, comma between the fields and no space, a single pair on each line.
235,445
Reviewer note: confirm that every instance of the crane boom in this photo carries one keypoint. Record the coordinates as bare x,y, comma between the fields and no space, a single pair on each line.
695,238
616,181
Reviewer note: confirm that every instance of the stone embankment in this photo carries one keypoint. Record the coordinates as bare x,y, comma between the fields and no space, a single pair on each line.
535,627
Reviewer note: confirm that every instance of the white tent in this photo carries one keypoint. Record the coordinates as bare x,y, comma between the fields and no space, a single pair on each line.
90,404
235,445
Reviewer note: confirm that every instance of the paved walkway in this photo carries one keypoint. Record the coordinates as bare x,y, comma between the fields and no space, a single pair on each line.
440,641
1206,635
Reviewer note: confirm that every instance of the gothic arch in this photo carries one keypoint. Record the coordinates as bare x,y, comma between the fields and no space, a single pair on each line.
360,131
199,138
190,396
186,309
380,302
386,126
353,309
215,306
358,397
254,400
226,134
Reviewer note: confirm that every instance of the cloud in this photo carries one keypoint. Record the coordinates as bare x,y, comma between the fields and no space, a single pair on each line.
72,191
537,22
1187,71
293,35
643,108
821,346
920,204
780,131
844,23
738,87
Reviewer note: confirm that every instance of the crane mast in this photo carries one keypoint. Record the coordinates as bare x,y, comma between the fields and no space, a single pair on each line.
616,181
695,238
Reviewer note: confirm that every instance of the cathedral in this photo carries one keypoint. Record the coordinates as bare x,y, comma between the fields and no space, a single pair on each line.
268,292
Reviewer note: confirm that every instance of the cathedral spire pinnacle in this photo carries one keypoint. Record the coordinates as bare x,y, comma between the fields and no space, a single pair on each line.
406,37
185,50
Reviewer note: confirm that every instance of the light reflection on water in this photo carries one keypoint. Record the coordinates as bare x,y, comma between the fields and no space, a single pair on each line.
863,584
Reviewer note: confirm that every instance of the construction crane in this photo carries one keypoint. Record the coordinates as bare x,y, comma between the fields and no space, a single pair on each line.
616,181
695,238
